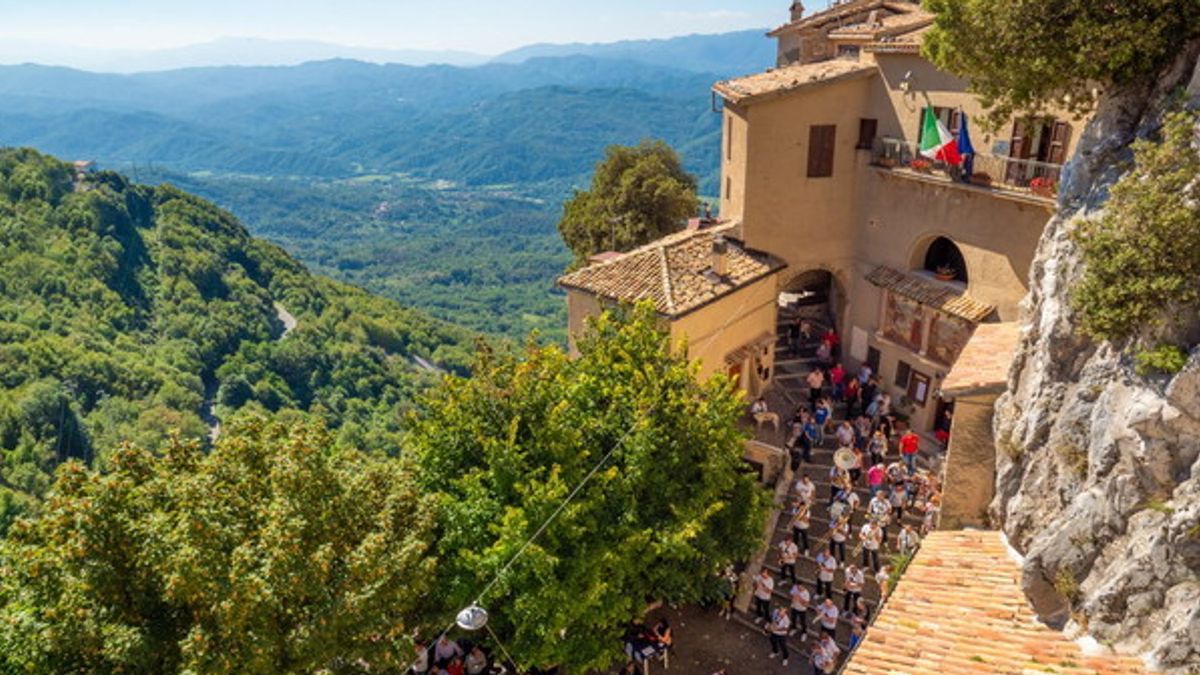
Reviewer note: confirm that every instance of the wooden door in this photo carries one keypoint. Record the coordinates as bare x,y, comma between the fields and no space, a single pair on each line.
1018,148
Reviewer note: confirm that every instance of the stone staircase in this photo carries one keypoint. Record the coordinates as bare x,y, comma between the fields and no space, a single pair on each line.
788,393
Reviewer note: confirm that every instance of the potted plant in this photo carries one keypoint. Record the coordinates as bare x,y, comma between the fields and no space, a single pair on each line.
945,273
1043,187
886,161
921,166
980,178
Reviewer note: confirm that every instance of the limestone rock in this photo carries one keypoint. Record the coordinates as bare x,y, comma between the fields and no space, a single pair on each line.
1098,468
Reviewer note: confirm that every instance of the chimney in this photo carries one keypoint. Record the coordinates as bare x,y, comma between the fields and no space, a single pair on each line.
797,10
720,250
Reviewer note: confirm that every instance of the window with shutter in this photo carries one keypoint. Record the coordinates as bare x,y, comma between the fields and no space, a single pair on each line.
867,128
820,150
1060,138
903,372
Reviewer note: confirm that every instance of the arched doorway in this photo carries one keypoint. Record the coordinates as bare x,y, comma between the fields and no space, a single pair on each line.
814,300
944,259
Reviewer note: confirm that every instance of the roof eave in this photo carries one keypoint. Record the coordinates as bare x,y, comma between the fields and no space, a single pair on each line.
745,99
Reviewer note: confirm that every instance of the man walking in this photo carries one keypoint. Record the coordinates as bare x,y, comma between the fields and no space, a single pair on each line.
871,537
788,552
910,444
800,598
827,565
855,580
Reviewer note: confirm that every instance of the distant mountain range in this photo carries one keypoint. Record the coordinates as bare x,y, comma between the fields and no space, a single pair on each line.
228,51
513,121
725,53
722,54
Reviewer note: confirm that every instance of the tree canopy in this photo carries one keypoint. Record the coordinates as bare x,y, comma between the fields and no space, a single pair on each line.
1022,56
638,194
662,514
127,310
275,553
1142,254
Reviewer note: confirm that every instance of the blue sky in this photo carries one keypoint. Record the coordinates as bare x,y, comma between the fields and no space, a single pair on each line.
471,25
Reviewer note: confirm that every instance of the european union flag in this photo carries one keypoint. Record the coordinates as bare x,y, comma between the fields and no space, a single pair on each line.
965,149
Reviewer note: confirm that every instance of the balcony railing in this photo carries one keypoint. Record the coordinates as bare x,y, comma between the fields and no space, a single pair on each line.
1006,173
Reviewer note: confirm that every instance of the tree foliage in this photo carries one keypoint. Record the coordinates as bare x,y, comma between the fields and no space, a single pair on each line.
657,520
637,195
273,554
1024,55
1142,255
124,307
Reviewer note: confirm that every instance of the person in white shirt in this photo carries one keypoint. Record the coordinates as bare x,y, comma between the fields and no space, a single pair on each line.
855,580
853,501
764,586
884,579
879,510
838,533
800,524
806,489
788,552
420,664
908,540
831,649
827,565
445,651
871,536
800,598
778,631
827,616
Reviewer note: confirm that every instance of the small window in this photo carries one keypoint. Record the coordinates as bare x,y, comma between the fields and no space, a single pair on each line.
903,372
820,150
918,388
873,359
866,133
848,51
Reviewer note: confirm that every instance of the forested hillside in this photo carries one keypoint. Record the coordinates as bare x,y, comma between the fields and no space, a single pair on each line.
130,311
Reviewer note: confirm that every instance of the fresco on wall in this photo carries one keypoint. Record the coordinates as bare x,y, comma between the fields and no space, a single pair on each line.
902,321
947,337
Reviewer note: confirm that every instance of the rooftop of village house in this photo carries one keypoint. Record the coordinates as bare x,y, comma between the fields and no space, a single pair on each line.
960,608
983,364
675,272
940,295
790,78
844,12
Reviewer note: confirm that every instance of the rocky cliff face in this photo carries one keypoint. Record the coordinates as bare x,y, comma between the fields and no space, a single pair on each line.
1099,468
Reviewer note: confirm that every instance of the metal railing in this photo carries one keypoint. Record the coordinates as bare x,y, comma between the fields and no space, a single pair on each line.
988,170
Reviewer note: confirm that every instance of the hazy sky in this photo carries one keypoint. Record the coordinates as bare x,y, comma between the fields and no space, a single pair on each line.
471,25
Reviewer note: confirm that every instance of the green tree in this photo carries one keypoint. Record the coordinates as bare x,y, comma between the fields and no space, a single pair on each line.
638,194
1023,55
272,554
1142,255
669,503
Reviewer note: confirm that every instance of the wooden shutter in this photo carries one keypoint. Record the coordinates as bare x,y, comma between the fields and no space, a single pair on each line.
1018,148
1060,137
867,128
820,150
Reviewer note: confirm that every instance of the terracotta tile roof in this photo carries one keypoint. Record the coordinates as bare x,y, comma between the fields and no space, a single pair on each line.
984,363
894,25
843,12
907,43
673,272
791,78
932,293
959,609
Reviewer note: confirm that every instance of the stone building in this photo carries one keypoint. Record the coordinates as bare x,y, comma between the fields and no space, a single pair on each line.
821,171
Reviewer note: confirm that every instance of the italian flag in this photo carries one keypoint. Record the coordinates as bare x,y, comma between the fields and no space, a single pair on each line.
936,141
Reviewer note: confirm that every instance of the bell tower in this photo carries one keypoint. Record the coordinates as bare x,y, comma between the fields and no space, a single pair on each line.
797,10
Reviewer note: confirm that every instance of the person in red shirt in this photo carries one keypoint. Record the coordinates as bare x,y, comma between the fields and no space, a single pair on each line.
910,444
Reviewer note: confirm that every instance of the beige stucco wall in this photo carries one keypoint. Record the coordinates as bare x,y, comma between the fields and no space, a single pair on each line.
808,222
970,464
717,329
903,214
733,163
580,307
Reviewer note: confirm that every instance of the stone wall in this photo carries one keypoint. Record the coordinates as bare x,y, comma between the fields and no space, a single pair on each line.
970,464
1098,479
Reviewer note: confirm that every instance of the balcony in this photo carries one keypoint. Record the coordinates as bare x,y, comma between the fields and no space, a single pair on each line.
1020,177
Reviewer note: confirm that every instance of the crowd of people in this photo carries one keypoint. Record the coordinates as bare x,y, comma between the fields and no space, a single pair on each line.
453,657
878,456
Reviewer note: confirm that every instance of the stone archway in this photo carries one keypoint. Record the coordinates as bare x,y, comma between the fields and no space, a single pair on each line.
938,253
815,296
